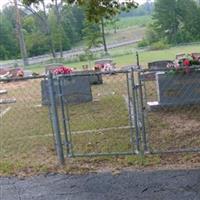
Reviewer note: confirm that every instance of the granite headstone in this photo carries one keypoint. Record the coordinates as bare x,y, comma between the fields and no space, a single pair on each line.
94,78
159,65
177,90
75,89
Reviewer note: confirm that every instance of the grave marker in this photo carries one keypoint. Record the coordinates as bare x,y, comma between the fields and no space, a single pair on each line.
177,90
75,89
159,65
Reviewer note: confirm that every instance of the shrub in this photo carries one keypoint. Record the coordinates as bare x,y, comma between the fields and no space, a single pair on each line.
159,45
143,43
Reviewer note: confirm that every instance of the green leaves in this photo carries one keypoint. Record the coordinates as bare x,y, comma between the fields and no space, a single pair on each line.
96,9
177,20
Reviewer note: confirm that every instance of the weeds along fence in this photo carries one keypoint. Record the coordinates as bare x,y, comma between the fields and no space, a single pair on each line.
86,114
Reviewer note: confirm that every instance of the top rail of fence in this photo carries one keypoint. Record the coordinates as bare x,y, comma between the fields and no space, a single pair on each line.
126,69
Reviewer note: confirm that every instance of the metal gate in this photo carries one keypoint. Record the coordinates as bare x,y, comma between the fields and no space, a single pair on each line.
112,123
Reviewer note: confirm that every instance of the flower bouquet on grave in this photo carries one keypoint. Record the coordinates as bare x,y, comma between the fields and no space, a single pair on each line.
184,65
62,70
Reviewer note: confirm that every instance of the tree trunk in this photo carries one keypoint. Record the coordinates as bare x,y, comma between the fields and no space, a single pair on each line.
48,30
58,17
103,36
20,35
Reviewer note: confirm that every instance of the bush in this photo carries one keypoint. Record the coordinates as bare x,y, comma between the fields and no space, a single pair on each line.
88,55
143,43
159,45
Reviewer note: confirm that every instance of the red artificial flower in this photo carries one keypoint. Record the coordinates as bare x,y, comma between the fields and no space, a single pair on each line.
62,70
186,62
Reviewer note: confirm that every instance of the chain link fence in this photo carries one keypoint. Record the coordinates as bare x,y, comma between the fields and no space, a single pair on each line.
25,129
172,109
93,111
125,112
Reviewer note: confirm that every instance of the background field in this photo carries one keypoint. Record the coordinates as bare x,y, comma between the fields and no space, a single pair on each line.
127,56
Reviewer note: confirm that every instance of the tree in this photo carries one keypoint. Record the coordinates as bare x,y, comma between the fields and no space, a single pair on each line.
189,16
42,15
92,35
8,43
36,41
95,9
113,23
20,35
58,9
176,20
98,10
166,19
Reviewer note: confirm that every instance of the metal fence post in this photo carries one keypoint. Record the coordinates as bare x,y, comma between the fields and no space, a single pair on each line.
141,99
55,120
62,104
130,109
135,115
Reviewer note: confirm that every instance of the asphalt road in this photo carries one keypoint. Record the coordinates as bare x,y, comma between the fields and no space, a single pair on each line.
156,185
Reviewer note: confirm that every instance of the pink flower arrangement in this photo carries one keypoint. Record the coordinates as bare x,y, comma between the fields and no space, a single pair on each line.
184,64
62,70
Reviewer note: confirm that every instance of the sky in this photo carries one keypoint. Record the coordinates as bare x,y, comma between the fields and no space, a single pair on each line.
3,2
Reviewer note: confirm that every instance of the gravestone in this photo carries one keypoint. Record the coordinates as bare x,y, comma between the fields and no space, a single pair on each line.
52,66
159,65
75,90
94,78
103,61
177,90
7,101
196,55
180,56
3,92
28,73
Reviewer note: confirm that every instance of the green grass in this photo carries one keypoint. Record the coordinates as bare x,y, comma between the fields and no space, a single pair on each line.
27,145
127,55
149,56
132,33
127,22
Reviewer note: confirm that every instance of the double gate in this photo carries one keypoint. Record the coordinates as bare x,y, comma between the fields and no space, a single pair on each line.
117,120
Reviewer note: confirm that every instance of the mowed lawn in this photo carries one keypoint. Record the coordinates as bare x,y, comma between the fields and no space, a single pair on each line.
127,56
27,145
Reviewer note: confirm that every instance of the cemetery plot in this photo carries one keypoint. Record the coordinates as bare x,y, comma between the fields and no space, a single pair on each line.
99,126
173,105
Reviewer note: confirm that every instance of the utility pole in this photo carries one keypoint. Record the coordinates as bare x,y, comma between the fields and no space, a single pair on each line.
20,35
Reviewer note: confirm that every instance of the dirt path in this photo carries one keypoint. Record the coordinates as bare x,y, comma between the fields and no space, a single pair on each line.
151,185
